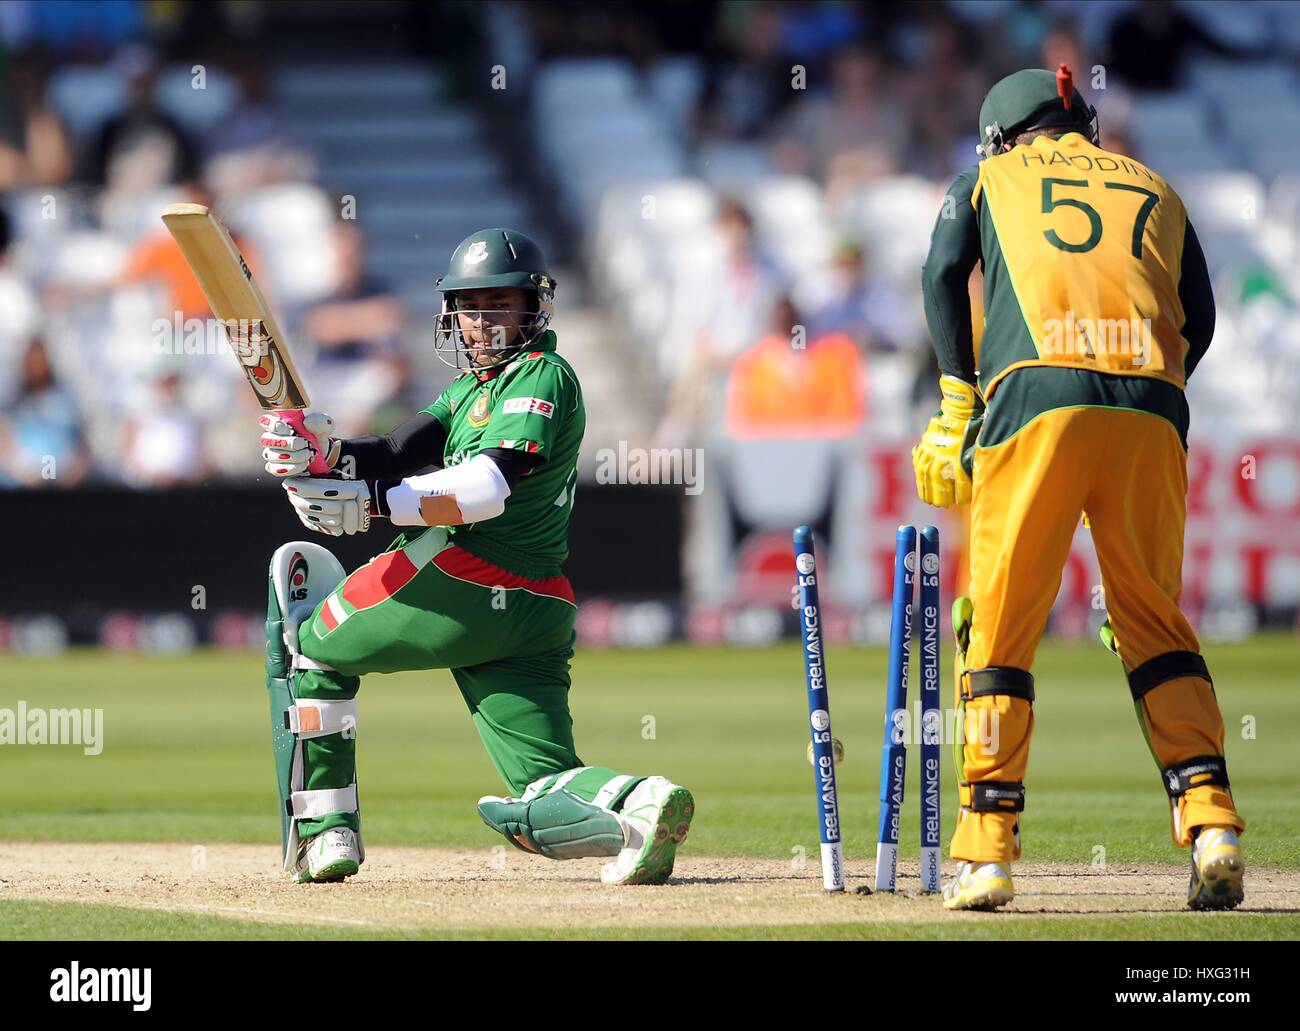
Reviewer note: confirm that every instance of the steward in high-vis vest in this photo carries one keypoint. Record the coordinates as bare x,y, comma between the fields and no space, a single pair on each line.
1097,308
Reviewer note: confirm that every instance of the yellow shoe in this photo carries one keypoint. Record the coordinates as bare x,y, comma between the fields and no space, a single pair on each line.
1218,870
985,886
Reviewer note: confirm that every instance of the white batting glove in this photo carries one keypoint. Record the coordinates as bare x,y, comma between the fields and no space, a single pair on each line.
286,452
335,507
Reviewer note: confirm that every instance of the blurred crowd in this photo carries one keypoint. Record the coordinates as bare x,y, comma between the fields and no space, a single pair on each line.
748,188
111,369
787,177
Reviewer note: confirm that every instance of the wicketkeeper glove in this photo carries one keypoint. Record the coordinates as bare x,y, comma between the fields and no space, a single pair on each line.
942,459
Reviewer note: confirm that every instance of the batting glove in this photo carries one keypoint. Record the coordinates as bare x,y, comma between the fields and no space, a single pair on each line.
290,450
335,507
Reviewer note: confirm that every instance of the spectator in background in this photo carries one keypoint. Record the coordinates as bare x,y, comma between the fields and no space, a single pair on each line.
40,431
742,307
357,331
34,148
854,134
809,32
73,26
941,94
792,384
1061,45
20,317
163,445
1116,136
1150,43
868,309
740,312
251,147
143,147
156,259
743,91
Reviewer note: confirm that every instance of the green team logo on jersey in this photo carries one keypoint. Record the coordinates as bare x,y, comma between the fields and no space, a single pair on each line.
479,415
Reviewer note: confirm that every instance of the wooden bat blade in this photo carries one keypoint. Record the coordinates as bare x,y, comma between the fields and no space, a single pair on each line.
238,304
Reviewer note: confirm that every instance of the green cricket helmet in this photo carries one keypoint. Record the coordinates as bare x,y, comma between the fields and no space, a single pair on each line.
1033,98
486,259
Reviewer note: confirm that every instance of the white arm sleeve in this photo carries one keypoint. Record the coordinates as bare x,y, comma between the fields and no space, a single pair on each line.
477,485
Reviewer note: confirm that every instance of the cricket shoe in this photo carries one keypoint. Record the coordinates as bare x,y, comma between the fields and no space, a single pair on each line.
1218,870
329,856
983,886
656,818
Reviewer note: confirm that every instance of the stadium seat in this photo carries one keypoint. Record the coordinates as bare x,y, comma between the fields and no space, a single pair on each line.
198,110
1155,119
676,84
587,82
291,227
128,216
1236,86
729,166
893,218
682,208
1247,26
777,483
85,97
1225,202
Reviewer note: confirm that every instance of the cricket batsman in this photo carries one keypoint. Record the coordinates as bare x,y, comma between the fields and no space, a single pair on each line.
1097,308
473,584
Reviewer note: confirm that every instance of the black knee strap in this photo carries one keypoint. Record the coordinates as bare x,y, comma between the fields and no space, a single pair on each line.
1154,672
997,796
1193,773
1007,680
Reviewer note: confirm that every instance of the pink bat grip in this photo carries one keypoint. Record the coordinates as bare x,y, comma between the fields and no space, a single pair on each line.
293,416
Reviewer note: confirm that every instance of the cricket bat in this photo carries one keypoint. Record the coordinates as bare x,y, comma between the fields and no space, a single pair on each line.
243,313
238,304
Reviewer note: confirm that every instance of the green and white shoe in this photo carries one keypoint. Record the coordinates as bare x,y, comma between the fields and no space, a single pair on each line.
329,856
656,818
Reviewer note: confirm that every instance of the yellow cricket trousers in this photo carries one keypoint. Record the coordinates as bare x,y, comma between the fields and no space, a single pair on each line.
1127,470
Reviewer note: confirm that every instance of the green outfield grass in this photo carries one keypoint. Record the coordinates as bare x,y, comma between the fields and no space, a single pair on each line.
187,754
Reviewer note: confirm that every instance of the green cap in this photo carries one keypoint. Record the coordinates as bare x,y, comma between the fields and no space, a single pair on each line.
1031,99
498,257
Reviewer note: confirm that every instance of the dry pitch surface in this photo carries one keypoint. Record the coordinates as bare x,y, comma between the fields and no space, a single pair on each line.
419,890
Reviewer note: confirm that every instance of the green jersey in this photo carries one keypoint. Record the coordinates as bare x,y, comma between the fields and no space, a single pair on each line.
532,404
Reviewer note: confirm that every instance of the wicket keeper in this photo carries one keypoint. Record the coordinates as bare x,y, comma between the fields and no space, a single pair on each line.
473,584
1097,308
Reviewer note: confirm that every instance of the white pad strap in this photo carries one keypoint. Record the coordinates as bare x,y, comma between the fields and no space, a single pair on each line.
534,789
316,717
312,805
611,788
301,661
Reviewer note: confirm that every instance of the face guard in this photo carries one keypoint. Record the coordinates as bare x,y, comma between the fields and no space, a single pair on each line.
503,343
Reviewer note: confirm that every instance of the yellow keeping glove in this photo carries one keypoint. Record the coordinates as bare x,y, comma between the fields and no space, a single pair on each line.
942,459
